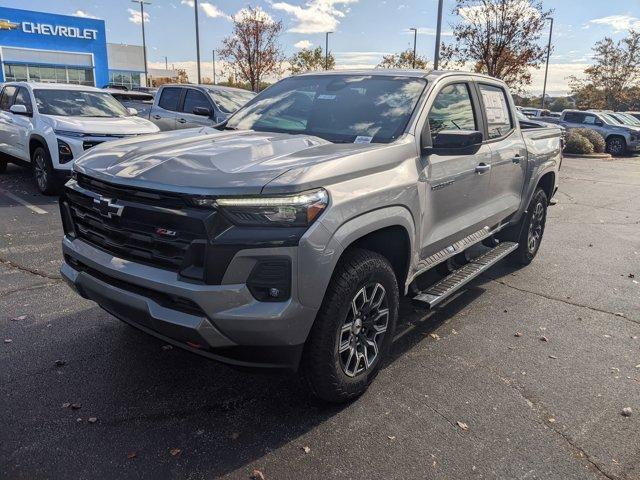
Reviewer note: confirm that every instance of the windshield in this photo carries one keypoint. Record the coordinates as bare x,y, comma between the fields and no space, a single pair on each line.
337,108
230,101
77,103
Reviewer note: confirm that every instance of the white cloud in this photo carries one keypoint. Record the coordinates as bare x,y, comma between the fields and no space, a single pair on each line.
619,23
479,13
316,16
83,14
303,44
134,16
209,9
260,14
431,32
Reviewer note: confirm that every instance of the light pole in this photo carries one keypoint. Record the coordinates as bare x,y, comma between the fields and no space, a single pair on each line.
436,57
326,50
214,66
144,39
166,63
195,5
546,69
415,40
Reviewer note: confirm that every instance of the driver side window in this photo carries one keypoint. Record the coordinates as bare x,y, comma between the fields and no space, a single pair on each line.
452,110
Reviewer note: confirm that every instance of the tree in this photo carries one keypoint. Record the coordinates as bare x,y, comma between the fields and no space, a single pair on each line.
403,60
500,38
612,81
181,76
561,103
308,60
253,49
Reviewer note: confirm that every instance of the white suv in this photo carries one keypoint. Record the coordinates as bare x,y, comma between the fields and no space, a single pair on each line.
48,126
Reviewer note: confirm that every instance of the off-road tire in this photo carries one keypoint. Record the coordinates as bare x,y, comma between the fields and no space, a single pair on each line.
43,172
532,222
321,365
616,146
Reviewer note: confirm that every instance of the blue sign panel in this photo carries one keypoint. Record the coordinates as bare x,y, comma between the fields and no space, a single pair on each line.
57,33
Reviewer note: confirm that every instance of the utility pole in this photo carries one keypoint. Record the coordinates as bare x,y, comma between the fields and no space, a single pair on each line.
166,63
195,7
214,66
546,69
436,57
144,39
415,40
326,50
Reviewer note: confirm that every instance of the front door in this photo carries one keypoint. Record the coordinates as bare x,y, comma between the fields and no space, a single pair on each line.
192,100
456,184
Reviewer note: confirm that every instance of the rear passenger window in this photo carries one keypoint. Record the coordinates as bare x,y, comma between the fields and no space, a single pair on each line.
6,99
495,102
452,110
169,98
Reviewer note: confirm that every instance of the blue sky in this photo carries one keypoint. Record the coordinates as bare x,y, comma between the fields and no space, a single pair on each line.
364,29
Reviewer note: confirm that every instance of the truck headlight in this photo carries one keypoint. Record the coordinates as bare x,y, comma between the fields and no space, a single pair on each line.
299,210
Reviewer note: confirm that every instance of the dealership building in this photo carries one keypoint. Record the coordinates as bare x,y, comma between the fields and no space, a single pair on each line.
46,47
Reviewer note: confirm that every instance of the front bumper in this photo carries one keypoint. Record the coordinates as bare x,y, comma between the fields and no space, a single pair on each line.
223,322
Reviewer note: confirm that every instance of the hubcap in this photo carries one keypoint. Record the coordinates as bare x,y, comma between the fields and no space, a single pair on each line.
40,171
536,228
362,332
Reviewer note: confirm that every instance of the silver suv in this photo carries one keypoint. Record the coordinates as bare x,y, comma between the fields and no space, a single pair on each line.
287,238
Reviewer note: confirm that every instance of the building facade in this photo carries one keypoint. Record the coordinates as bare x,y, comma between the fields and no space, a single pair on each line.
46,47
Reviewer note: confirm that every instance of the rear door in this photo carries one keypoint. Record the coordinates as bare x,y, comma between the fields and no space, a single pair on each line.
508,152
163,114
193,99
456,183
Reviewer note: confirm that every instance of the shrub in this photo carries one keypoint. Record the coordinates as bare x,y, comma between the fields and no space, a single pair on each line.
577,144
594,137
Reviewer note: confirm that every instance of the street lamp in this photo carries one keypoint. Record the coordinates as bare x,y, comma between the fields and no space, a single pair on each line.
546,69
214,66
195,5
326,50
436,57
144,39
415,40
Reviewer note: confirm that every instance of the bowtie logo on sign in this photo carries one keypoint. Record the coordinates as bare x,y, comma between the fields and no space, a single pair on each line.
7,25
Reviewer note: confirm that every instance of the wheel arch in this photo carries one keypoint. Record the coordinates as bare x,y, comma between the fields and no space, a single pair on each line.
36,141
547,182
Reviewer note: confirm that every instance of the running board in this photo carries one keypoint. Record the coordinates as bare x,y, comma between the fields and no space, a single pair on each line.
441,290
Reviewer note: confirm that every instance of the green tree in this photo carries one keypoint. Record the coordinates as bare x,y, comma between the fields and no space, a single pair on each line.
310,60
403,60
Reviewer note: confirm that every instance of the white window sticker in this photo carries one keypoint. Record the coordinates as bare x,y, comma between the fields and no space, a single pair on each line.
496,106
363,139
326,97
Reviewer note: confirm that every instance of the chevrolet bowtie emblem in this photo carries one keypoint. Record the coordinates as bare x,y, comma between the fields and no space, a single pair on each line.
7,25
108,208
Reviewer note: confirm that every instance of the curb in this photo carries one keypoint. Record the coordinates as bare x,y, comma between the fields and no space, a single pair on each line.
601,156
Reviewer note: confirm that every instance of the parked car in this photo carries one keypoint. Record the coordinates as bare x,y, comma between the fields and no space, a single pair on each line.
536,112
287,238
635,114
151,90
619,138
187,106
626,119
116,86
141,102
47,126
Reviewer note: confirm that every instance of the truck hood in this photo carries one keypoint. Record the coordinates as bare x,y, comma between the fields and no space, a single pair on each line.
101,126
206,161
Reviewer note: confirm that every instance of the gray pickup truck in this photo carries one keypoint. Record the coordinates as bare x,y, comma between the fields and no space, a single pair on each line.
620,138
187,106
286,238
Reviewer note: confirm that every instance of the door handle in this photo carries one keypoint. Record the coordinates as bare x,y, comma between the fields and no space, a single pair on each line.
482,168
182,120
517,159
157,117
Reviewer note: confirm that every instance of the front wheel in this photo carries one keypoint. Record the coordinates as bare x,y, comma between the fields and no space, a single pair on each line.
43,171
616,146
353,331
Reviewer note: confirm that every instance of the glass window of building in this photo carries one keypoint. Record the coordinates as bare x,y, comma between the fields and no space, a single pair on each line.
48,74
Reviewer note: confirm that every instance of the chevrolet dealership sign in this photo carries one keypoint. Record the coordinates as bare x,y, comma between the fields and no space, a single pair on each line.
59,30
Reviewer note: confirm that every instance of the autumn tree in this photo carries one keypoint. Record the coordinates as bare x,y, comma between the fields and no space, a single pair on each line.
403,60
310,60
500,38
612,80
252,50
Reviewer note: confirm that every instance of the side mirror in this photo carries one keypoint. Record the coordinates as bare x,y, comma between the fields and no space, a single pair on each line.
455,142
598,123
19,110
202,111
132,111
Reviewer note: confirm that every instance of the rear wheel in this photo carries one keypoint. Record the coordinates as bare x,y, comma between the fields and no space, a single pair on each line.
529,231
353,331
616,146
43,171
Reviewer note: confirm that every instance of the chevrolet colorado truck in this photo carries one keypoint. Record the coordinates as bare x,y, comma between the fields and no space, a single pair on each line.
286,237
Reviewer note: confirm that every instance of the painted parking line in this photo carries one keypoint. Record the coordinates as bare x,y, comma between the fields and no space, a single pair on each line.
30,206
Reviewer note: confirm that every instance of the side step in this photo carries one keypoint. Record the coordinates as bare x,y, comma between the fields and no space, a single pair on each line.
447,286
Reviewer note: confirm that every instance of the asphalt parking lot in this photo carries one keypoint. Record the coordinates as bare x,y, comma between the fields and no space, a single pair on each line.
524,375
